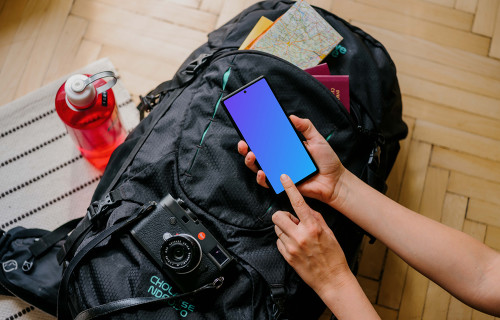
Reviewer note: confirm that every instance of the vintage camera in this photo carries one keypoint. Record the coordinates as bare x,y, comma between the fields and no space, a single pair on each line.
179,243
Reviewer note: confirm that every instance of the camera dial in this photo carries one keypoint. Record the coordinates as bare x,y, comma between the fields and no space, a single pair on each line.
181,253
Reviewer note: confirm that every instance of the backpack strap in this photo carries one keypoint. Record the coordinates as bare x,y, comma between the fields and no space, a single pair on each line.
62,311
181,78
270,265
140,302
278,296
49,240
154,97
93,217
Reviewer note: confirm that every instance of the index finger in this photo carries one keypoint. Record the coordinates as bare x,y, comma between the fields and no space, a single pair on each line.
298,203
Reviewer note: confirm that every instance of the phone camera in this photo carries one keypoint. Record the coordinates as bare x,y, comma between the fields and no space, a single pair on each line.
181,253
244,91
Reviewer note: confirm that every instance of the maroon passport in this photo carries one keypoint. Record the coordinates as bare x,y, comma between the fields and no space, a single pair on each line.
338,85
320,69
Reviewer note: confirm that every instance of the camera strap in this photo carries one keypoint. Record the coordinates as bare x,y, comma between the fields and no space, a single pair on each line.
140,302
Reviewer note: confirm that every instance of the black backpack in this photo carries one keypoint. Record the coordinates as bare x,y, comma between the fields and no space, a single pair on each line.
185,150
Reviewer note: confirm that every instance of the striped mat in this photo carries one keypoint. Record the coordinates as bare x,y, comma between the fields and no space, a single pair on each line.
44,181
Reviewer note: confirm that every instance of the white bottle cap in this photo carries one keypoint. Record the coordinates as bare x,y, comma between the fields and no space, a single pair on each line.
77,95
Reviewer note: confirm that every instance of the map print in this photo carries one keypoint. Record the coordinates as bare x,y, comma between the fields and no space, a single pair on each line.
300,36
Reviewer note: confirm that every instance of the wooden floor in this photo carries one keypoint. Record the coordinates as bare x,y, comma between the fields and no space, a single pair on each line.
447,54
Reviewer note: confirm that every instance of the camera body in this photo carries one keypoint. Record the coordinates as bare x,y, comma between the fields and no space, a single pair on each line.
179,243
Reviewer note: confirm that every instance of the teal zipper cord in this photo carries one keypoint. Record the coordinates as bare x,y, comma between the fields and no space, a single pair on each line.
329,136
225,79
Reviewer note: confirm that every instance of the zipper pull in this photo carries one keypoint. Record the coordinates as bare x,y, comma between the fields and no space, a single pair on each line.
28,264
378,141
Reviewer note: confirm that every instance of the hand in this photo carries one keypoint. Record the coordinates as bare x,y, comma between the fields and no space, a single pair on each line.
322,186
309,245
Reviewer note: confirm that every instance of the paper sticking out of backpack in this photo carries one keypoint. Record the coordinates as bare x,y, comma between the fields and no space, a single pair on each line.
300,36
260,27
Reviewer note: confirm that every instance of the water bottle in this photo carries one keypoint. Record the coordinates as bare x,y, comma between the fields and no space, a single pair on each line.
86,104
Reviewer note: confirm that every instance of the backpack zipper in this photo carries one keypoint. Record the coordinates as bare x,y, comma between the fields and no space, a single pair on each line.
219,55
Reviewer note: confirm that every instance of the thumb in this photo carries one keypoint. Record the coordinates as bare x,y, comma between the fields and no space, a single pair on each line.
306,127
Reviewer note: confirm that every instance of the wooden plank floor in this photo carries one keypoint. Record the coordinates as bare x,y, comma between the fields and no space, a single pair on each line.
447,54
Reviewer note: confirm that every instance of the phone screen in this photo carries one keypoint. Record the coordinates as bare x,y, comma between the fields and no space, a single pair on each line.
263,124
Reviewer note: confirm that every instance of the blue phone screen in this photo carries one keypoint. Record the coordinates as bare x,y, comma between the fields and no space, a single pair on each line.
269,134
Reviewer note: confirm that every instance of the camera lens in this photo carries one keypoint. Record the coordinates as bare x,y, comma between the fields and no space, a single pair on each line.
178,253
181,253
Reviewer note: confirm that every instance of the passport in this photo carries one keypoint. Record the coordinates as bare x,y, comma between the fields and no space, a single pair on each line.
320,69
338,85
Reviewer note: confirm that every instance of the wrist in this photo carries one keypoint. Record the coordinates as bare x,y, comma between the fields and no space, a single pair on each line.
347,300
334,284
341,193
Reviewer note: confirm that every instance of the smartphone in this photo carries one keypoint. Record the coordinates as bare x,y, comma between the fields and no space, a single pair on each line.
262,122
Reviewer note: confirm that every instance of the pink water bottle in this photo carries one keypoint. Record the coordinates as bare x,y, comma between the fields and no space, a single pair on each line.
86,104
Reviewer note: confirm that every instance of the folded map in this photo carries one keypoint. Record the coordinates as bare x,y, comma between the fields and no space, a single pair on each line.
300,36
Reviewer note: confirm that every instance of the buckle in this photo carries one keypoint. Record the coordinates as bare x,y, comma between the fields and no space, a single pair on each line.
148,102
194,65
100,206
278,296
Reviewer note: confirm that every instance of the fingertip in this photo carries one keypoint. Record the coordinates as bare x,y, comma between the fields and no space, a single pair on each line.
242,148
261,179
295,121
250,158
286,181
296,199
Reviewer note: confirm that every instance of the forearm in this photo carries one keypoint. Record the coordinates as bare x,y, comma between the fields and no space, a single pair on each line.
348,301
450,258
